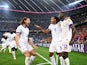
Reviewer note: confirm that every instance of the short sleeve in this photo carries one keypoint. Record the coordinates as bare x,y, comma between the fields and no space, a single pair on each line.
49,27
18,30
70,22
8,34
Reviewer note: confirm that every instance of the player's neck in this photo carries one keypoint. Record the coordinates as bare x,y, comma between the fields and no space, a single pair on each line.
54,23
24,25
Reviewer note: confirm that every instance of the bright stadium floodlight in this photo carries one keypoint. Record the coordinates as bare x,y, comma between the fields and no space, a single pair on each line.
75,2
4,6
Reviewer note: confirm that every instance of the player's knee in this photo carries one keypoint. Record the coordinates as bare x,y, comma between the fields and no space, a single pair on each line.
60,54
51,54
33,53
27,54
65,55
13,49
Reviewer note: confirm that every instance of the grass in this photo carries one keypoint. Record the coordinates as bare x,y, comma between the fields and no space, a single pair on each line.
6,58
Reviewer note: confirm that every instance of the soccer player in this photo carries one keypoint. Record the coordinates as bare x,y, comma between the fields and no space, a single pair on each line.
68,32
21,39
7,34
55,45
4,45
12,43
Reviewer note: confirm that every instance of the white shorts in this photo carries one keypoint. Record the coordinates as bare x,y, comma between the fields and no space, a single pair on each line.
12,44
55,46
25,47
4,45
7,43
66,47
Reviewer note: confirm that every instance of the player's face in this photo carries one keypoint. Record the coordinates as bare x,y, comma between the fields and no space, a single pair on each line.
53,20
27,21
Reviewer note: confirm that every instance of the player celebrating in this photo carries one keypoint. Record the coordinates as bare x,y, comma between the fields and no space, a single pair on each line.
68,32
12,43
4,45
7,35
56,45
21,39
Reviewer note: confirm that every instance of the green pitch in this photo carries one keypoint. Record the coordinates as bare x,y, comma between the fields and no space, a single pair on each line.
6,58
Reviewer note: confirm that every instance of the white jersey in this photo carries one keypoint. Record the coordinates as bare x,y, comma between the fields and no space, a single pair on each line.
3,40
23,39
66,34
66,30
4,45
24,32
10,37
55,31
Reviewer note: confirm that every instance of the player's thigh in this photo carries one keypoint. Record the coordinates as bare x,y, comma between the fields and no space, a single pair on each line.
23,47
30,48
52,48
33,53
58,46
66,46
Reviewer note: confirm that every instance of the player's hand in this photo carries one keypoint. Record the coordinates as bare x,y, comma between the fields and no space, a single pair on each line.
18,46
37,26
71,42
35,46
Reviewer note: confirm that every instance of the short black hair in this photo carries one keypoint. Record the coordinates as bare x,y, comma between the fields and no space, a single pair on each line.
57,19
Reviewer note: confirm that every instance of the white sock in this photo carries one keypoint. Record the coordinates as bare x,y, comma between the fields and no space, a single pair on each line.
27,60
61,61
14,55
53,60
9,49
31,59
4,50
67,61
1,49
57,59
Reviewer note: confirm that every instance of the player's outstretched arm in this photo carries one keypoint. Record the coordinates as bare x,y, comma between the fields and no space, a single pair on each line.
43,30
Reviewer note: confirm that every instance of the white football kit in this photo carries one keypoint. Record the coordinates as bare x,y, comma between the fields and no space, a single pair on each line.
55,45
8,35
12,41
66,34
23,39
4,45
